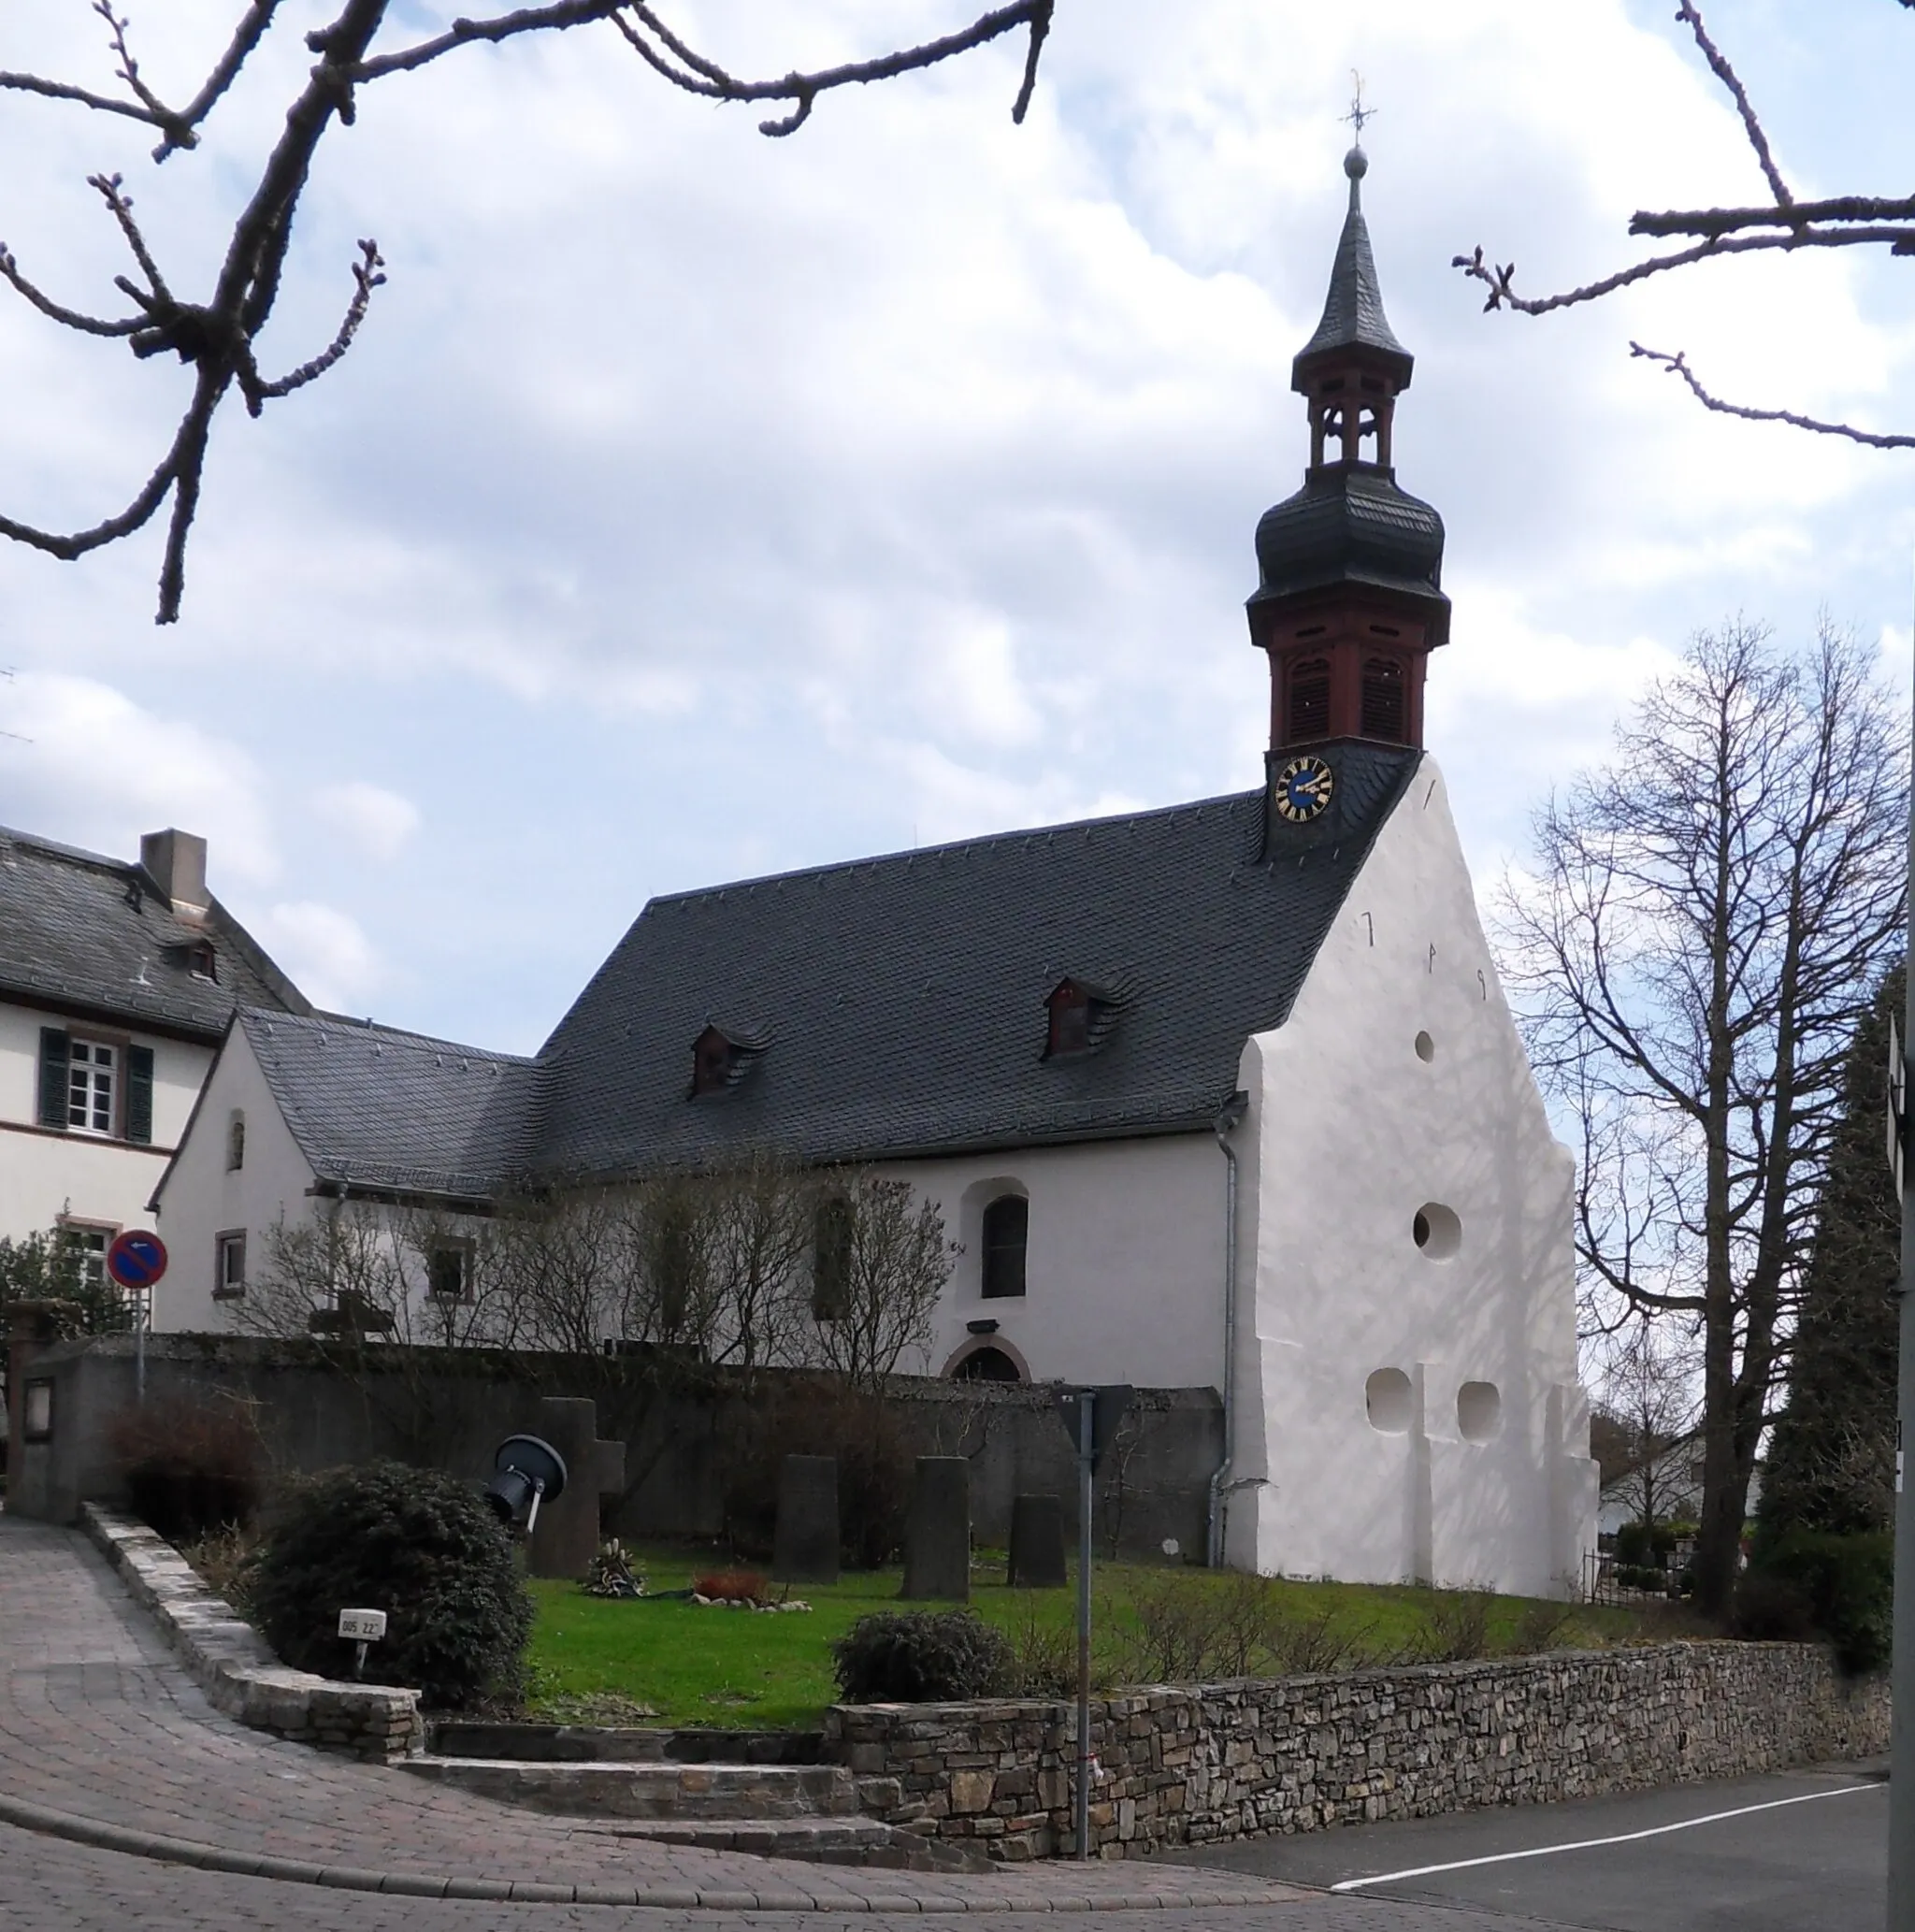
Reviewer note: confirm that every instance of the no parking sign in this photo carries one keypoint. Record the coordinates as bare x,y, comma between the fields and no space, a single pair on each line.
137,1258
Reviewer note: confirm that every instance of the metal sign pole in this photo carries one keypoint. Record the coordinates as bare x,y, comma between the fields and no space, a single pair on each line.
1902,1720
1086,1405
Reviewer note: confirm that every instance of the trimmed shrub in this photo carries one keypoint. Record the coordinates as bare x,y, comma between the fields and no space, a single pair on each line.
191,1469
920,1657
420,1546
1847,1583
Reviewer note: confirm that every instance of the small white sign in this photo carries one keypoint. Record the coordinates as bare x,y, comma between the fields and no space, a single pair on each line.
362,1626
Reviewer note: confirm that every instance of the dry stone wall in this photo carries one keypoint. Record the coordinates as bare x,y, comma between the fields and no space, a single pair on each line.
1194,1765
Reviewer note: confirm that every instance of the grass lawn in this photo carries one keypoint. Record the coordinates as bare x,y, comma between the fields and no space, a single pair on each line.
622,1660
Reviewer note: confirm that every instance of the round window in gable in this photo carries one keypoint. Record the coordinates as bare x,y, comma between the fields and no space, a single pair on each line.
1437,1230
1426,1048
1388,1398
1478,1412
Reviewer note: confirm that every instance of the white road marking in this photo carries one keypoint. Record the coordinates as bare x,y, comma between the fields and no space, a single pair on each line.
1627,1838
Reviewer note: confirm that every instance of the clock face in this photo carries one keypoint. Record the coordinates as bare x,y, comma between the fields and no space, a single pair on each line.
1303,790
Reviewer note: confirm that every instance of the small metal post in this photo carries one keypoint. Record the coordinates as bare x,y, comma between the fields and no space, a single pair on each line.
141,1309
532,1514
359,1660
1087,1403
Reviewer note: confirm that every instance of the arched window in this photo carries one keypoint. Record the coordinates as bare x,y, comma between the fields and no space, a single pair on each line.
1383,695
831,1233
986,1364
1070,1021
1309,706
1006,1228
711,1057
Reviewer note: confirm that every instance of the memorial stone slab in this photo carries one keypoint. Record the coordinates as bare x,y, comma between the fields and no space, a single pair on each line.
567,1536
804,1546
937,1529
1037,1543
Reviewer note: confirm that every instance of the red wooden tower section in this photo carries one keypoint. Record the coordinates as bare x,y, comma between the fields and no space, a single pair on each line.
1350,600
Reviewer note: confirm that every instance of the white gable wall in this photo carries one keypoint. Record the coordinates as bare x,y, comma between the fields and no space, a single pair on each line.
1350,1133
204,1198
89,1177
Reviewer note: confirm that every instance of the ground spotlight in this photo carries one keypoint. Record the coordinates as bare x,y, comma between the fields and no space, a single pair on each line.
526,1472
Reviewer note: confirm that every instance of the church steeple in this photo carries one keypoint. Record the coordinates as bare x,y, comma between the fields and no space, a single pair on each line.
1350,599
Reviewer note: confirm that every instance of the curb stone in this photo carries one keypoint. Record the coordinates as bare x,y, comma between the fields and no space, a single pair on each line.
347,1877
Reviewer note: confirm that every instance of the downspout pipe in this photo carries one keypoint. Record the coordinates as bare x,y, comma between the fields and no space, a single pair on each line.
1228,1118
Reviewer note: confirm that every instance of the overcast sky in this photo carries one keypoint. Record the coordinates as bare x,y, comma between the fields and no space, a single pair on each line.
696,505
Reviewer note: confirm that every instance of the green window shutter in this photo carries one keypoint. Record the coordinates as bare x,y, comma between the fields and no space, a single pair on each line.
139,1095
52,1077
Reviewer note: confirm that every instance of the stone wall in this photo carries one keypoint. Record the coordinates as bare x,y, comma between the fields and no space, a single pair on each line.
240,1675
1154,1486
1190,1766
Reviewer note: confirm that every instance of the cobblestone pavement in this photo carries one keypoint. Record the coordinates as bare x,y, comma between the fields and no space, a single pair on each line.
48,1885
98,1722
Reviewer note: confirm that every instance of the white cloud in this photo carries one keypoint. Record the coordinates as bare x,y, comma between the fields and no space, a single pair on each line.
323,950
380,822
82,763
692,501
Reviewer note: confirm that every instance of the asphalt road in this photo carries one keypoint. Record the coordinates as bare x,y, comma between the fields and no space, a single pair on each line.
1801,1851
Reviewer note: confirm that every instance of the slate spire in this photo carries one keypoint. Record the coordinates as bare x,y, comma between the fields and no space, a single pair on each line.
1353,313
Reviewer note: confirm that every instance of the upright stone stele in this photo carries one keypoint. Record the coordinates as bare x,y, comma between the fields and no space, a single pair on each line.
1037,1543
565,1537
937,1529
804,1546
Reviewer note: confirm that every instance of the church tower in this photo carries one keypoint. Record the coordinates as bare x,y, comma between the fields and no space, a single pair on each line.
1350,602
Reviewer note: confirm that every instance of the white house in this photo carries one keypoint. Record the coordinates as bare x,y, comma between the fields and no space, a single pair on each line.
116,983
1225,1094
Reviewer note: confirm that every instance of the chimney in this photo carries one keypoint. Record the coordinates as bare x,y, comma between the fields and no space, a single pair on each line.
175,861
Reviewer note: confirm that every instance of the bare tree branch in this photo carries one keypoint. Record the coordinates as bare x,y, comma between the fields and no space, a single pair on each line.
1725,221
218,335
1679,365
1720,67
697,74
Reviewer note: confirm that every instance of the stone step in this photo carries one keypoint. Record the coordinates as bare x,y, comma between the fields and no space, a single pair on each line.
759,1792
633,1744
867,1842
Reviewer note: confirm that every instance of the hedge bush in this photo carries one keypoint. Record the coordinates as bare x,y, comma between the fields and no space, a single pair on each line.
419,1544
1847,1583
920,1657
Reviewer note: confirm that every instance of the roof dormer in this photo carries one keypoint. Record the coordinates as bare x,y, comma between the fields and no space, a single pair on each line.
721,1057
1080,1016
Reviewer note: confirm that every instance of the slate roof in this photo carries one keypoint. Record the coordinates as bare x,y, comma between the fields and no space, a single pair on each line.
382,1109
80,931
901,1000
1353,313
1351,525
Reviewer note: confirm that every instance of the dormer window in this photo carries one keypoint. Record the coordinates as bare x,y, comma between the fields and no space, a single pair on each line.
722,1055
711,1058
202,961
1079,1016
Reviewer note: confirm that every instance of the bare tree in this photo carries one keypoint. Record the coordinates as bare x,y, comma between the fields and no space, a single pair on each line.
1783,221
1649,1387
1711,913
218,330
879,1264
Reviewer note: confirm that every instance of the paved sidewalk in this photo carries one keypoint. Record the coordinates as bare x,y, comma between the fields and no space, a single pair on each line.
105,1740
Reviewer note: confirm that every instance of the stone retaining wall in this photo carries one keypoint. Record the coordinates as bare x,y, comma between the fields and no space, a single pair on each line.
1194,1765
239,1675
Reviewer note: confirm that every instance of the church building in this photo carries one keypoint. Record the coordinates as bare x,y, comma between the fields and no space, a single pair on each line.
1224,1094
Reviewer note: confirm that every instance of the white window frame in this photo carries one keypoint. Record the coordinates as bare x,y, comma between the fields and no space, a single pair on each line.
461,1247
95,1067
229,1284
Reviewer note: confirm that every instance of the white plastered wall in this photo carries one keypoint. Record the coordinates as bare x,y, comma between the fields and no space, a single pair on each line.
91,1179
1350,1133
202,1198
1123,1265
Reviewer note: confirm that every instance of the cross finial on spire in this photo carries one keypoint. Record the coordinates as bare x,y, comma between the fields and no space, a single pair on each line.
1359,114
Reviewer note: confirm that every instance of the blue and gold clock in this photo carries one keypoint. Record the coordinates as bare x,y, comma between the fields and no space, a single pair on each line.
1303,790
